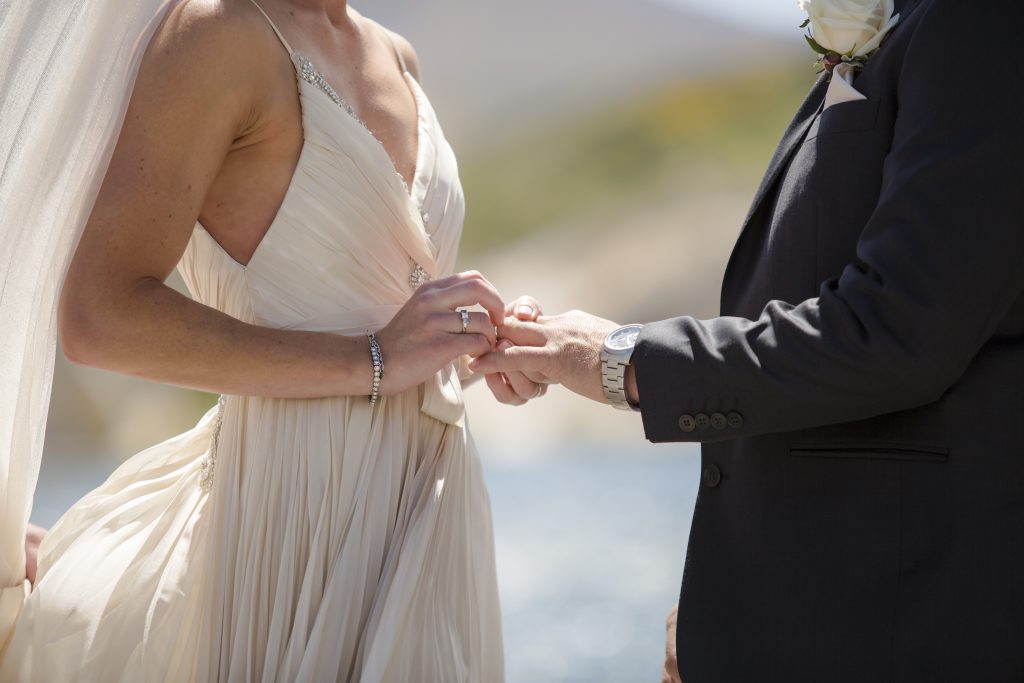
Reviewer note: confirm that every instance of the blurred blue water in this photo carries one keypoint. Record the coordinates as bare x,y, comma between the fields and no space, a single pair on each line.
590,544
590,551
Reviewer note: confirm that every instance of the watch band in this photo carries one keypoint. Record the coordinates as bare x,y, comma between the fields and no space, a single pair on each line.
613,379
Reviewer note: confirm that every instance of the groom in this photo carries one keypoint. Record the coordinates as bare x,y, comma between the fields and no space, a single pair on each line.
861,400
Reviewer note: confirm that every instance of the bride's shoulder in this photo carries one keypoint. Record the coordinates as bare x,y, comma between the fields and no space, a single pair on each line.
401,44
205,23
209,45
412,60
222,32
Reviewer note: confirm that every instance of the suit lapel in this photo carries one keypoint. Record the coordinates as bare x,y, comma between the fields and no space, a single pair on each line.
802,122
790,140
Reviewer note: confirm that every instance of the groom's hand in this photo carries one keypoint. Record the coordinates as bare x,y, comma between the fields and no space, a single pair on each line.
563,349
513,387
670,672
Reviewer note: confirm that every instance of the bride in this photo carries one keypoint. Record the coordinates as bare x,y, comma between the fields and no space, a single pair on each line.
327,519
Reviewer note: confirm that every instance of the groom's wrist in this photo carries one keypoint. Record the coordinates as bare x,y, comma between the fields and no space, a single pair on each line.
632,390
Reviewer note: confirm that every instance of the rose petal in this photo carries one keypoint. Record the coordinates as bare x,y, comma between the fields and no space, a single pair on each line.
841,35
876,40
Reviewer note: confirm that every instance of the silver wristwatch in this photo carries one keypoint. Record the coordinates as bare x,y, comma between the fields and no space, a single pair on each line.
615,357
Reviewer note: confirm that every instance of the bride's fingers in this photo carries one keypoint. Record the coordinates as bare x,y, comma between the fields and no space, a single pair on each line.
469,291
479,323
474,345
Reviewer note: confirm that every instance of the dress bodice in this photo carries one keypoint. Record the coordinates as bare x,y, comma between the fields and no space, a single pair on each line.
350,241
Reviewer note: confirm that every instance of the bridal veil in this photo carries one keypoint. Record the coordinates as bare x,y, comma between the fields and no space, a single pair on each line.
67,68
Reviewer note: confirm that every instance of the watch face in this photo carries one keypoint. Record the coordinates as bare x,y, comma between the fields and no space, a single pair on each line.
623,338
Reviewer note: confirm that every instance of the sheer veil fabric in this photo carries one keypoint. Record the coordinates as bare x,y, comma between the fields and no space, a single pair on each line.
67,68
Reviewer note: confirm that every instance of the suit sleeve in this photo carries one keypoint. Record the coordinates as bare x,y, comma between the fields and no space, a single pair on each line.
938,266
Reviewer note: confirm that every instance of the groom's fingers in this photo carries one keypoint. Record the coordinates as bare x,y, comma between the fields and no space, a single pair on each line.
502,391
519,358
523,387
522,333
524,308
513,388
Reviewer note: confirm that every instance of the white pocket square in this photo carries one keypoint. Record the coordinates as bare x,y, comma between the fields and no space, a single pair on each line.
840,88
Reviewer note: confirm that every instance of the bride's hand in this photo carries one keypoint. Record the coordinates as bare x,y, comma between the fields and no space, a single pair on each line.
426,334
33,537
517,388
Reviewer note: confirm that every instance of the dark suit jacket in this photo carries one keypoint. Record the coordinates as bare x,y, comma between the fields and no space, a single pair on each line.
861,512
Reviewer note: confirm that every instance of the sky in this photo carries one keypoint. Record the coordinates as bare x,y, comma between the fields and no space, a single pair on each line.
774,15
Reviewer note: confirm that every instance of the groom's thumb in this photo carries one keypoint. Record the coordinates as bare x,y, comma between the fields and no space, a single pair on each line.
525,308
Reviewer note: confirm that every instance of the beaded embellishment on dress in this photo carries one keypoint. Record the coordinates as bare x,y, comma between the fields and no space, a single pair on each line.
206,467
418,276
309,73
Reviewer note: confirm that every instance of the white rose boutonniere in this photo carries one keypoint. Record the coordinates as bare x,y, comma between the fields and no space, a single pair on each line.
847,31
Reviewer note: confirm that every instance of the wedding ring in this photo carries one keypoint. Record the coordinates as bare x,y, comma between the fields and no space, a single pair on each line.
465,320
539,392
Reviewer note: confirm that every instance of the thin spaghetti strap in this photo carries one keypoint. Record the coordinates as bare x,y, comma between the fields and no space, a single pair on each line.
398,53
273,26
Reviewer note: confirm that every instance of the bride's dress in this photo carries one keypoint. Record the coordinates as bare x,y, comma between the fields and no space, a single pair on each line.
284,540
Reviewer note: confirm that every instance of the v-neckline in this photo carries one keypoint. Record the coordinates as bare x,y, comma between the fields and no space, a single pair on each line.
408,190
310,74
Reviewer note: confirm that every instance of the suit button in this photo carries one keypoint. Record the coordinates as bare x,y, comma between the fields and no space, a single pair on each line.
687,423
734,420
703,421
718,421
712,476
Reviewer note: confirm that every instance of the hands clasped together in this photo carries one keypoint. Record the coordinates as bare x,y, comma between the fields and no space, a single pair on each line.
515,346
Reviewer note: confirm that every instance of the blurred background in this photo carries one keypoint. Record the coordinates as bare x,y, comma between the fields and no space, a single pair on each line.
576,122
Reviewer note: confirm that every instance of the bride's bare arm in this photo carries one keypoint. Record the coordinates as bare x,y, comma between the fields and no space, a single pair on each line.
197,97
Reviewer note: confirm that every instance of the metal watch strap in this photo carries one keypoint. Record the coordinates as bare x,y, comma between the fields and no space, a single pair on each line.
613,378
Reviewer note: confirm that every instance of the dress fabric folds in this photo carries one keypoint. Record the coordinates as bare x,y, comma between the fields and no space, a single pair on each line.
294,540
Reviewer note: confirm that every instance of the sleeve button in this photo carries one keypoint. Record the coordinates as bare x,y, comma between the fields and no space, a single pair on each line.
712,476
718,421
703,421
687,423
734,420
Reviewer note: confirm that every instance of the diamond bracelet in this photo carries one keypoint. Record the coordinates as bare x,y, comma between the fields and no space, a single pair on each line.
378,367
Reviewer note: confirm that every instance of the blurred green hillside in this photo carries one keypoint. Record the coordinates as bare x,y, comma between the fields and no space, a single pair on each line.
718,131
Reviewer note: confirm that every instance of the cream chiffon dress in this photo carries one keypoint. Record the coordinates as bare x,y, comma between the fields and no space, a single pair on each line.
294,540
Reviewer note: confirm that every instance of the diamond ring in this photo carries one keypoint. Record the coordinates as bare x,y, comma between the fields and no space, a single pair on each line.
465,320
